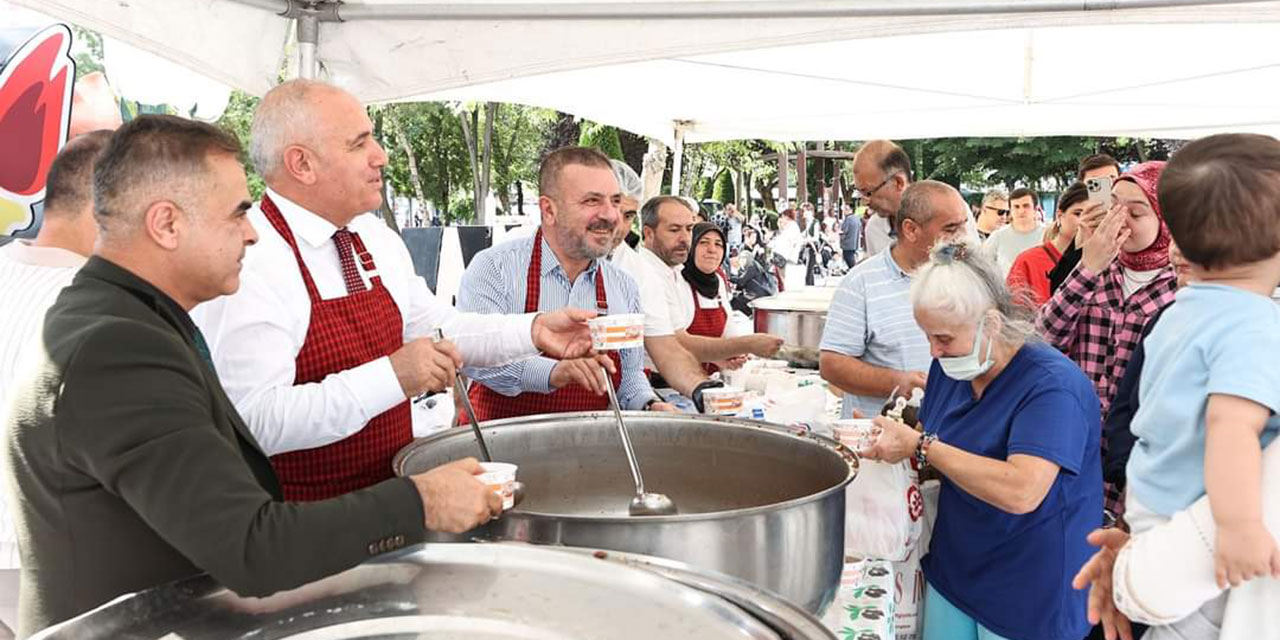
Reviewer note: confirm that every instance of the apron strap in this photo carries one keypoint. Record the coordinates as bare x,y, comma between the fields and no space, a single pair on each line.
272,212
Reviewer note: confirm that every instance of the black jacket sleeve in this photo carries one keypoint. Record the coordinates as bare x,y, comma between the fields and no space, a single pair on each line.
139,421
1115,431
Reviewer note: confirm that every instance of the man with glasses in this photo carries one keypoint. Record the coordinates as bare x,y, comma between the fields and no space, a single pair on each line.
993,214
881,172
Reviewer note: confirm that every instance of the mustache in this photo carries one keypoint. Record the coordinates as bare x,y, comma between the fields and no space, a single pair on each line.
602,225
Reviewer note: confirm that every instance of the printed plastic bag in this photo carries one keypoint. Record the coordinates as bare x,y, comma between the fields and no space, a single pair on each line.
864,606
884,511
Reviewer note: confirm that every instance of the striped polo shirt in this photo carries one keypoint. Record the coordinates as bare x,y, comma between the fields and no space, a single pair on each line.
870,318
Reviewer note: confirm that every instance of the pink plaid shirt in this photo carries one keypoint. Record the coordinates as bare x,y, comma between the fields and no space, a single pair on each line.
1090,321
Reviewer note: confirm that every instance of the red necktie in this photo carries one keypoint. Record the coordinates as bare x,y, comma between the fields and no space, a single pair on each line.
342,240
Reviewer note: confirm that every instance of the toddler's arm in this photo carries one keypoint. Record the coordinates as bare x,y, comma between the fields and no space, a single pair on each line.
1233,476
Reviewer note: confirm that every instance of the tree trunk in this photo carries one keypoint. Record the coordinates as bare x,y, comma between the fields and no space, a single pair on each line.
766,195
388,216
482,191
470,123
415,178
653,168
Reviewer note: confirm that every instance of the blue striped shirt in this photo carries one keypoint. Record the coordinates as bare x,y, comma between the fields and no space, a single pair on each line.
870,319
496,281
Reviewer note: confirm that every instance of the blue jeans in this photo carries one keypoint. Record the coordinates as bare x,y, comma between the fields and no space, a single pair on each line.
943,621
850,257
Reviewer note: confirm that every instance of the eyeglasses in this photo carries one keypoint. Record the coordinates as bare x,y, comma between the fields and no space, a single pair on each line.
867,194
1001,212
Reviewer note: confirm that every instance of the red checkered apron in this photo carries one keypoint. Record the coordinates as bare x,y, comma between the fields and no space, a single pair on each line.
344,333
491,405
707,322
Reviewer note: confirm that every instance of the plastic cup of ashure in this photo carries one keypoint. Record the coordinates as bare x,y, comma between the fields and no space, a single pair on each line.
724,401
621,331
859,434
500,477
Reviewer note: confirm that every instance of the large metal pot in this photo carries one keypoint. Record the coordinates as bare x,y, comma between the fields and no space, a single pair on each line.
476,592
757,502
798,318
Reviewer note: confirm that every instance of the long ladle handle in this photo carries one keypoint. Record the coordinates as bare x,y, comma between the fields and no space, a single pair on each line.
622,430
460,389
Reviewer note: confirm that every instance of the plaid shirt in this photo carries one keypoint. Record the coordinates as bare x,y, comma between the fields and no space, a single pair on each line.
1090,321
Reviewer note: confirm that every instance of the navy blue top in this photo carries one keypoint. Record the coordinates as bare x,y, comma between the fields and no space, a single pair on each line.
1012,573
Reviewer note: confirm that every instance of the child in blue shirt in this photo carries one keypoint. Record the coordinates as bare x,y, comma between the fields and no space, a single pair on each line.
1210,388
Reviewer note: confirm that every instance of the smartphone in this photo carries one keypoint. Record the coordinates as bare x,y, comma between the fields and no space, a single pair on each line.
1099,190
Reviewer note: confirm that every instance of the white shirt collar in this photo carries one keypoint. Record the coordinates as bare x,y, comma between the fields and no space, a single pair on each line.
22,251
658,263
309,226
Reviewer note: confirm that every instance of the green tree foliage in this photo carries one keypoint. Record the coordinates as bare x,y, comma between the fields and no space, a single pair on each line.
702,190
238,119
723,190
518,137
435,137
602,137
86,51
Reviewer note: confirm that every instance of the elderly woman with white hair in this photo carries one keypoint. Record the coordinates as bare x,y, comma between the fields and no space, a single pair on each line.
1013,426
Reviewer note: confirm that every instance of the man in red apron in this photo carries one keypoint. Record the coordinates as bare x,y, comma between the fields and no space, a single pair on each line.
329,336
561,266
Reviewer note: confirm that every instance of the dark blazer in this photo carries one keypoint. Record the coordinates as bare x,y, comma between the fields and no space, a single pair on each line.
130,468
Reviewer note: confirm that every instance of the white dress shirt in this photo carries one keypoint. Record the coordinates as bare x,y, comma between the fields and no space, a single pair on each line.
877,234
627,259
31,278
659,294
256,334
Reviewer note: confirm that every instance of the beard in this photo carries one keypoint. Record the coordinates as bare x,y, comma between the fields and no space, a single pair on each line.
581,246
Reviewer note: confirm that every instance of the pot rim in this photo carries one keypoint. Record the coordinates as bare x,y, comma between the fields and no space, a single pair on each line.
850,458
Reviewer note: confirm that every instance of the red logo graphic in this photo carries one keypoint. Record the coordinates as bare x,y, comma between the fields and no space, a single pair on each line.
915,502
35,113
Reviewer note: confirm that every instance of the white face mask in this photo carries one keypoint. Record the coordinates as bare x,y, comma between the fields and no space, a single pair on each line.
968,367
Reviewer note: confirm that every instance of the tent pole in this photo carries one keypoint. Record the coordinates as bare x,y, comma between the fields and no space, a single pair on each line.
677,164
308,40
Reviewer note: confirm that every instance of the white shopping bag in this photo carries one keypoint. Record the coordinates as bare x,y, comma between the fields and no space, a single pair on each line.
884,511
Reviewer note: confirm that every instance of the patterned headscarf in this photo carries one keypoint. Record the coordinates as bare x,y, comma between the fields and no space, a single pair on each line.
1155,255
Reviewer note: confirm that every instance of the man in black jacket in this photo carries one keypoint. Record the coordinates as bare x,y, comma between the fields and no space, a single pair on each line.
130,466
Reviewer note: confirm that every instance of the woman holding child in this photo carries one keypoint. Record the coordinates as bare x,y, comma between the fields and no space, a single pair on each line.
1013,427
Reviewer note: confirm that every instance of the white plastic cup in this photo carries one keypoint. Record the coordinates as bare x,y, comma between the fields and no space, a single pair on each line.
612,332
859,434
724,401
500,477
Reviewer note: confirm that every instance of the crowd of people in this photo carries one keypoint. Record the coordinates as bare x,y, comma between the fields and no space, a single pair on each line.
198,382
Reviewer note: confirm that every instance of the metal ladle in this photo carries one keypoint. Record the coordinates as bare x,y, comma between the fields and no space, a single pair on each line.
460,389
643,504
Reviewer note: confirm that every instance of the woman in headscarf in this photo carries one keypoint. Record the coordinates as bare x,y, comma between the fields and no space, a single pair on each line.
1124,279
711,307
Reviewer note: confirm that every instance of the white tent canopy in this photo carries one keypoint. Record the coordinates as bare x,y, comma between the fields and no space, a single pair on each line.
732,69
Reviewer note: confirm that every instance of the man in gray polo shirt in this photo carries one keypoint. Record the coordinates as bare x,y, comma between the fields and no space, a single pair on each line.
871,343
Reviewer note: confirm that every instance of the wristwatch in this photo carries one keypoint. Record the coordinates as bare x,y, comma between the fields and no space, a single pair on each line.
652,401
696,395
922,448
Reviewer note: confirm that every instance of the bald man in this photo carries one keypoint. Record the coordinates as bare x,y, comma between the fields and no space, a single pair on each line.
871,343
331,332
881,172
